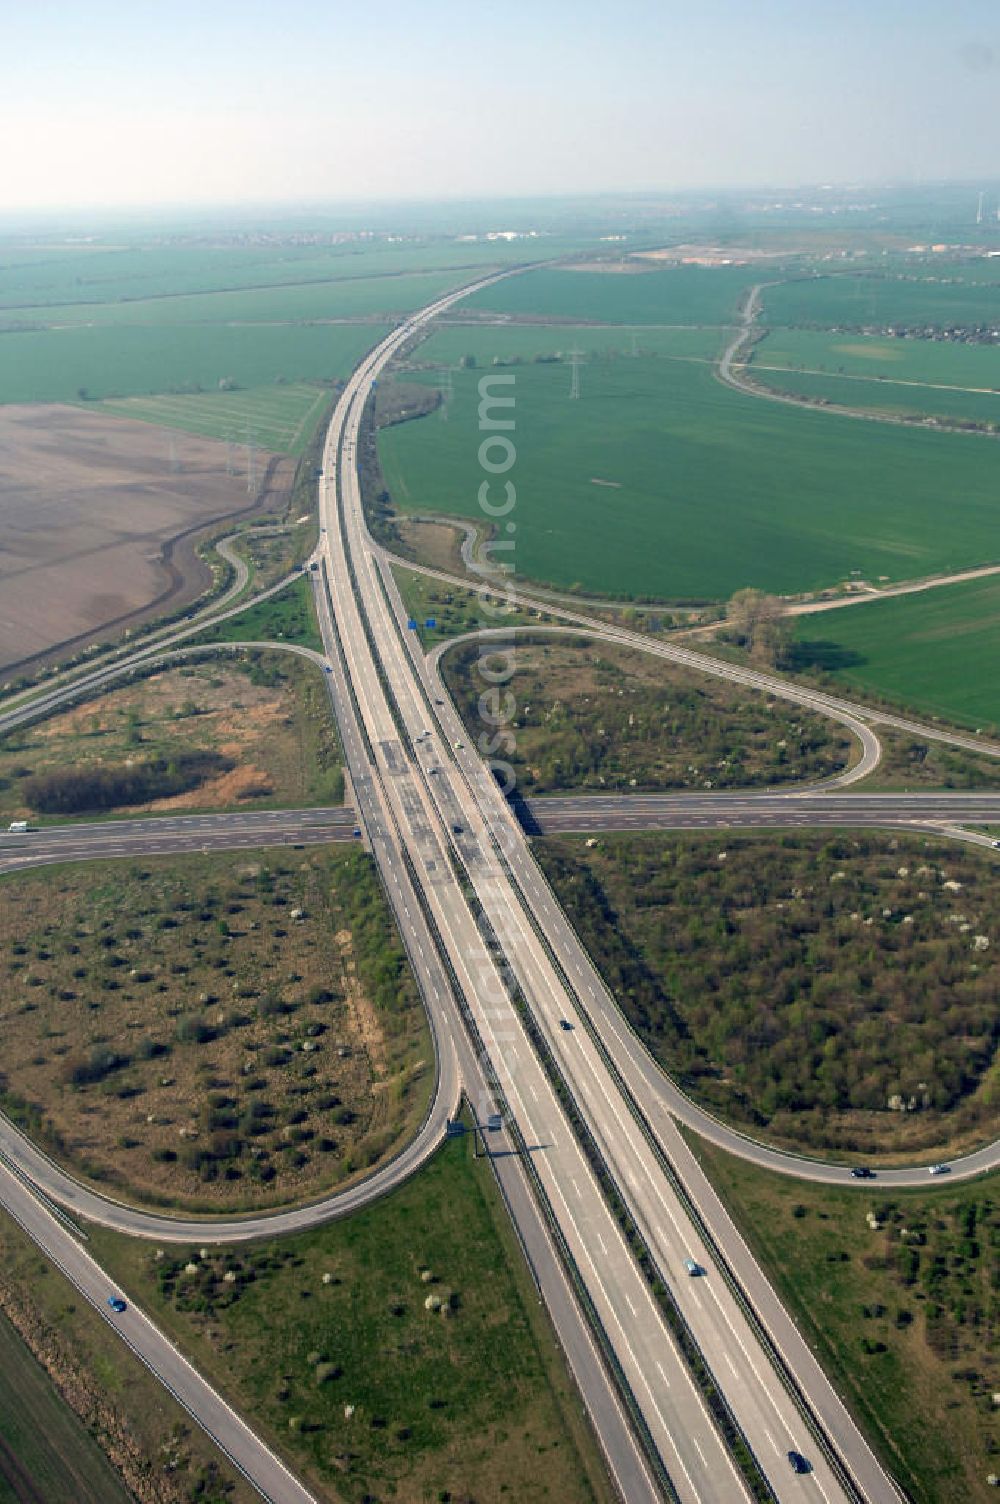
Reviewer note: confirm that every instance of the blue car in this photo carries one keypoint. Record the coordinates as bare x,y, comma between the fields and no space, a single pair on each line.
117,1304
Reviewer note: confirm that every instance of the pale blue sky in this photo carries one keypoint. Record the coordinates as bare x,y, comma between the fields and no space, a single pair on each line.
107,102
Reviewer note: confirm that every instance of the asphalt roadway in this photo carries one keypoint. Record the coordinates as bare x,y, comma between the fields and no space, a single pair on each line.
408,819
549,814
447,811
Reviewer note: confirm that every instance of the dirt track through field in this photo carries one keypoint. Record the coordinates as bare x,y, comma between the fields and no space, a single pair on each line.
99,517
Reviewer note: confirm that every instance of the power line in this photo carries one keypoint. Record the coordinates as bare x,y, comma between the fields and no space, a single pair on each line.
447,392
575,357
251,464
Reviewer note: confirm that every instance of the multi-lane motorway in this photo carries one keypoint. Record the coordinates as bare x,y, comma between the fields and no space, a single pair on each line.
476,872
502,971
548,814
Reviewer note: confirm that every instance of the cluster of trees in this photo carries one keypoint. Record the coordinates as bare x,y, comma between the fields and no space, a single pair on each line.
586,723
791,980
757,621
71,791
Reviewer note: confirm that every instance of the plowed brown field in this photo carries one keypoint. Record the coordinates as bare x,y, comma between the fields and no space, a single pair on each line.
99,518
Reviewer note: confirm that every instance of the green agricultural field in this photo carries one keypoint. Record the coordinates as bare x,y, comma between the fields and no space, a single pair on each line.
924,361
903,1314
679,295
661,481
62,365
919,377
820,302
894,399
345,298
936,651
45,1453
489,344
113,1393
327,1344
69,275
280,418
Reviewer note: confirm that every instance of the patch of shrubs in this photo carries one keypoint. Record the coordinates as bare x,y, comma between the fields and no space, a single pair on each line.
70,791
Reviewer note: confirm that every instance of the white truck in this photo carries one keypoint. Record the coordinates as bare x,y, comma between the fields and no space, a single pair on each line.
18,826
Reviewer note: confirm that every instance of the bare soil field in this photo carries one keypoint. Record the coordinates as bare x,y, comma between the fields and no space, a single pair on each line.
99,520
264,717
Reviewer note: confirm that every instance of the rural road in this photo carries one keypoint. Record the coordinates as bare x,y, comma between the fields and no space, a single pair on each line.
474,910
256,1461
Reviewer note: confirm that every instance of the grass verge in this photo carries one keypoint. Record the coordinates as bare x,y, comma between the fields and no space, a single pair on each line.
45,1453
150,1441
401,1353
897,1293
454,609
288,616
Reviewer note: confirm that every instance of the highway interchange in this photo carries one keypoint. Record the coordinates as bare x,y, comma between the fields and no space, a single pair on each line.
500,969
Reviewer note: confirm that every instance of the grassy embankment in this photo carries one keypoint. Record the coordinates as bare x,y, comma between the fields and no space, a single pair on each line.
163,1456
453,609
211,1031
903,1314
327,1343
288,616
833,993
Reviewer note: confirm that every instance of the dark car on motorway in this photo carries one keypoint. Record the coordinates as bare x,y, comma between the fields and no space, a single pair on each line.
117,1304
862,1172
798,1463
564,1023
